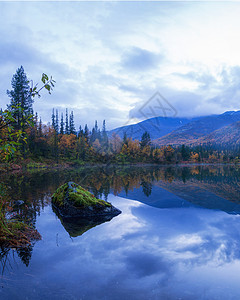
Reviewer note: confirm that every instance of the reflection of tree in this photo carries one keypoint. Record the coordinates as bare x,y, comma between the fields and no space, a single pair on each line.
146,188
36,188
7,257
4,258
186,174
25,254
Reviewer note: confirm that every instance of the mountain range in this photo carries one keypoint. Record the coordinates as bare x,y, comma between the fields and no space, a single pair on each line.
213,129
157,127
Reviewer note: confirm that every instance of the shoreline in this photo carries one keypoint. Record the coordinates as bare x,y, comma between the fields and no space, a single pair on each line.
36,166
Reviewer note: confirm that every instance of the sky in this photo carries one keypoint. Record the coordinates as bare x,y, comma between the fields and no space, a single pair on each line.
110,58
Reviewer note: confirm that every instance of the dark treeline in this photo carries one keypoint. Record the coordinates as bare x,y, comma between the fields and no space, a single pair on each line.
61,140
23,135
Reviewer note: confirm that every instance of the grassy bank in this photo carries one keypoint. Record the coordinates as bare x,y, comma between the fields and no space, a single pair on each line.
14,233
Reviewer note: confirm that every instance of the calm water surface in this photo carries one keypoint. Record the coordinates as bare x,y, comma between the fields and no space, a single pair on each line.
178,236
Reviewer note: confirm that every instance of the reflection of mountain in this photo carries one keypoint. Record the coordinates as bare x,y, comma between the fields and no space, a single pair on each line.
160,198
179,194
201,195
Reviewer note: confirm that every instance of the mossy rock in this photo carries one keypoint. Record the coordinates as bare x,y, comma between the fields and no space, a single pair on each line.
72,200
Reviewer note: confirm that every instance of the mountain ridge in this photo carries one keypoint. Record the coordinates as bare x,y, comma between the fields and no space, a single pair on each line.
157,127
229,135
213,129
195,132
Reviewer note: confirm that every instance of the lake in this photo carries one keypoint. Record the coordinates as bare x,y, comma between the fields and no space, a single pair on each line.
178,236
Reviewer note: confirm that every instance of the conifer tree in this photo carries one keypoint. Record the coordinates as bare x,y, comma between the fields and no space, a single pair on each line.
53,119
86,133
92,136
72,129
104,136
66,123
145,140
21,101
96,126
104,127
80,133
96,134
125,139
57,122
40,127
62,125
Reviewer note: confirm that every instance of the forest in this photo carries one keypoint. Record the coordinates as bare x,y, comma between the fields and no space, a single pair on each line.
24,139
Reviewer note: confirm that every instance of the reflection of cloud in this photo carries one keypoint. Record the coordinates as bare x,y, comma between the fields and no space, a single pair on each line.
128,223
186,240
144,253
144,264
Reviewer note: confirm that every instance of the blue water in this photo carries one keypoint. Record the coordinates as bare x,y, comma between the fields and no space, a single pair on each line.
147,252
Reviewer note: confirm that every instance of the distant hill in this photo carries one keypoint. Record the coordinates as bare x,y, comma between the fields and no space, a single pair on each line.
227,135
157,127
203,130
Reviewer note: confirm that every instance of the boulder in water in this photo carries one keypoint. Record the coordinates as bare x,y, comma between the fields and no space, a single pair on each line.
73,201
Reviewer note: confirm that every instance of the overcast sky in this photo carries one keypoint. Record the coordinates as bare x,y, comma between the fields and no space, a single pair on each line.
109,59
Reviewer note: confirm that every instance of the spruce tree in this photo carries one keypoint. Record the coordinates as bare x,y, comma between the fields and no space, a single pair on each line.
96,133
53,119
72,129
66,123
86,133
57,122
80,132
104,138
96,126
62,125
21,101
40,128
145,140
104,127
125,138
92,136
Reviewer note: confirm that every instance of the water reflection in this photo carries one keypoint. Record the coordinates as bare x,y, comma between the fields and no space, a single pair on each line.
34,188
144,252
212,187
76,227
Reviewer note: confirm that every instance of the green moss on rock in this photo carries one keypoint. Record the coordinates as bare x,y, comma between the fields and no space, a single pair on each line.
77,196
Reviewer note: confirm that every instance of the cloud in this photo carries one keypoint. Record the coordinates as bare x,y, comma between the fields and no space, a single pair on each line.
140,60
117,55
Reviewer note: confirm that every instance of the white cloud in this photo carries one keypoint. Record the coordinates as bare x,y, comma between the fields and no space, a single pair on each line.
109,58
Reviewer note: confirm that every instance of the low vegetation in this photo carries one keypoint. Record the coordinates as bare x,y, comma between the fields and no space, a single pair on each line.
77,196
14,233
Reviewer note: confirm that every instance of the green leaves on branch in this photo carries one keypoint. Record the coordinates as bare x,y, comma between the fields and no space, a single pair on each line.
48,84
11,139
15,120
